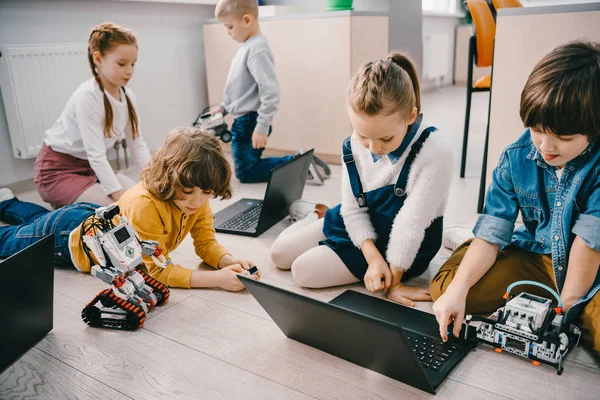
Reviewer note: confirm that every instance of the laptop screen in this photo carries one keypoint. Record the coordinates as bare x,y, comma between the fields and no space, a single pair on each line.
27,299
285,186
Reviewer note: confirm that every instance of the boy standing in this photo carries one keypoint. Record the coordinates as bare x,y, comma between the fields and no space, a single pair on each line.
551,175
251,94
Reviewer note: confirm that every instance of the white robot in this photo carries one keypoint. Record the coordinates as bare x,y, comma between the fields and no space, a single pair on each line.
529,326
115,251
214,124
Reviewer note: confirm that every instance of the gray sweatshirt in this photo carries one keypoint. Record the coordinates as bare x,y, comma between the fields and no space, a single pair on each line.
252,84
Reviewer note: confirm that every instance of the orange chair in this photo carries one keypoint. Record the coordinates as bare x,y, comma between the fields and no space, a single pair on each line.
481,49
498,4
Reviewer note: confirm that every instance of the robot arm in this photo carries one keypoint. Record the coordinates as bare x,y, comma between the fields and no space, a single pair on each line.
150,248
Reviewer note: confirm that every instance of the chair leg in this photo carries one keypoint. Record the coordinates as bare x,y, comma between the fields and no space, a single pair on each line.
463,160
482,185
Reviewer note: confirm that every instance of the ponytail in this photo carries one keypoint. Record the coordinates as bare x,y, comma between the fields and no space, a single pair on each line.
406,64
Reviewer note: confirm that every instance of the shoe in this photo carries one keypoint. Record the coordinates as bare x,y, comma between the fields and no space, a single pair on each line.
326,171
321,166
299,209
6,194
454,236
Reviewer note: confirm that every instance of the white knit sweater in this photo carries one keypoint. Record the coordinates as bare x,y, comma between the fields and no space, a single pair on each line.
426,195
79,132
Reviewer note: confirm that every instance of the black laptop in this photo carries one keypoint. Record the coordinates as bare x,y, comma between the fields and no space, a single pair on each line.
251,217
26,299
400,342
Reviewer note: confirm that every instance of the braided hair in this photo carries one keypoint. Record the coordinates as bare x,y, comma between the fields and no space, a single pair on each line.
385,87
103,38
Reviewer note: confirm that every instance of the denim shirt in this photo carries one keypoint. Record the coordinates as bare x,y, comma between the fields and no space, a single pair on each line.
553,211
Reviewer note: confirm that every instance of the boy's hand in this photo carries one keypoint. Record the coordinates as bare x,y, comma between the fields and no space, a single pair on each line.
216,110
450,307
229,260
259,140
228,279
378,275
246,264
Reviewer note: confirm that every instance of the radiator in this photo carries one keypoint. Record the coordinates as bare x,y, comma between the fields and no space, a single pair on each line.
36,82
436,55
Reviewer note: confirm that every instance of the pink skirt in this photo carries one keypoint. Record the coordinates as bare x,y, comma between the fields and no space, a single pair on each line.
60,178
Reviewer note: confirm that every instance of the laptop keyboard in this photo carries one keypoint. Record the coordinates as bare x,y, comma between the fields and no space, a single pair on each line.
243,220
432,353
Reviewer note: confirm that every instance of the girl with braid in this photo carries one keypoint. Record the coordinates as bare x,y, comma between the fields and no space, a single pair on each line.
72,165
396,172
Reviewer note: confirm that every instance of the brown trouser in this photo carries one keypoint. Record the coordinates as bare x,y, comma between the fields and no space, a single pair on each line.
514,264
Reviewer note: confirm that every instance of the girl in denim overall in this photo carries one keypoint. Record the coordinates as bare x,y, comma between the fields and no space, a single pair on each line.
395,179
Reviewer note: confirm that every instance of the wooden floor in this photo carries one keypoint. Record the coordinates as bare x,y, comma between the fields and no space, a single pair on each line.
212,344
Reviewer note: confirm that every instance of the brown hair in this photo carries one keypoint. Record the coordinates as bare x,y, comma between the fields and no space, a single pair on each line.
103,38
190,158
562,94
237,8
385,87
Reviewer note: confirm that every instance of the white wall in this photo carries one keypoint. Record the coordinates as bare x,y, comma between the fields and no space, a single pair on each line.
405,18
170,78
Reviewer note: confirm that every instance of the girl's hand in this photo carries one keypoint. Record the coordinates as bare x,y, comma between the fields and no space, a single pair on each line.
378,275
259,140
405,294
228,278
450,307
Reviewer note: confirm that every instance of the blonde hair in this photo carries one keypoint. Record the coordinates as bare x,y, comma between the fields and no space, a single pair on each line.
190,158
385,87
103,38
236,8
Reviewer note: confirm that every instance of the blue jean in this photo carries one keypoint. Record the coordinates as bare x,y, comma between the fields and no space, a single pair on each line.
30,222
249,166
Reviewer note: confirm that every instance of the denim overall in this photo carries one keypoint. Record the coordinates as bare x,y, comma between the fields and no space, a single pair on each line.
384,203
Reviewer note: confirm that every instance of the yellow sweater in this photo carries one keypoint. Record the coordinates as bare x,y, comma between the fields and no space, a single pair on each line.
162,221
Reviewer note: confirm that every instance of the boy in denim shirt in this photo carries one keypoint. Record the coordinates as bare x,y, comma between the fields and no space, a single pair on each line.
551,175
251,94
